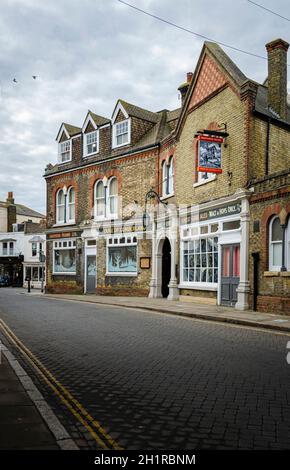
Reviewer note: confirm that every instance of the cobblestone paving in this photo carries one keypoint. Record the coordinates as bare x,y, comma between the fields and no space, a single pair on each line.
158,381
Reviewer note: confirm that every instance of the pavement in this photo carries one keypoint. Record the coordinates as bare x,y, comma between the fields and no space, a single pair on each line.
192,309
26,421
149,380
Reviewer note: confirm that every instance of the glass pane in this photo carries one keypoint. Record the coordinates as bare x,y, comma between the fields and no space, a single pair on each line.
122,259
185,275
100,190
233,225
65,261
113,187
35,273
191,275
277,254
60,197
71,195
236,261
277,234
226,261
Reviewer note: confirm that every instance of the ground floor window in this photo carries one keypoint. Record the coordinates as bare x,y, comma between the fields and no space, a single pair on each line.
64,257
200,260
122,255
34,273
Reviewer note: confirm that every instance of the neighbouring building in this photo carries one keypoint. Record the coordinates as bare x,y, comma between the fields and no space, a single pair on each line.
22,245
219,166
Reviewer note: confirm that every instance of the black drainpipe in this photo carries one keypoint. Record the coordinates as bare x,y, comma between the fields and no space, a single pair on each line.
256,259
267,147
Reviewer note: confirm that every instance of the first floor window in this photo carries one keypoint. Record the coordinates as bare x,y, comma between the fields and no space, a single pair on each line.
200,260
5,248
34,248
65,257
167,178
65,206
106,198
122,255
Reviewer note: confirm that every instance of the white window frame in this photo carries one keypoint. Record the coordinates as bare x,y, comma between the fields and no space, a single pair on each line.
59,245
167,178
60,152
34,244
273,267
69,204
115,242
66,205
112,215
58,220
107,198
85,144
114,136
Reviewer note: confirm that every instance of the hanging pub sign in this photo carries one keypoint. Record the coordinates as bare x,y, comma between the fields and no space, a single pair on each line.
209,154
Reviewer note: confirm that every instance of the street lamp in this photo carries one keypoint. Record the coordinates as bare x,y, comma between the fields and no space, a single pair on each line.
151,194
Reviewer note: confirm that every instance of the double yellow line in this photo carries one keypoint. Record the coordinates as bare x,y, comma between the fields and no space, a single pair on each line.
102,438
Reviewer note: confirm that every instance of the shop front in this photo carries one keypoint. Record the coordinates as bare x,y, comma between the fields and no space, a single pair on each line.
214,251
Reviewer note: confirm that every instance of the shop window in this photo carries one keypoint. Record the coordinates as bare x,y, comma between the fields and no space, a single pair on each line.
200,260
64,258
122,256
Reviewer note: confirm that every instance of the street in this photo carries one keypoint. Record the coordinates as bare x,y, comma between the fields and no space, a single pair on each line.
154,381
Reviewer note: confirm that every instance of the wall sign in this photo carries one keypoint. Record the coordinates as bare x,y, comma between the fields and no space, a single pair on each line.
145,263
209,154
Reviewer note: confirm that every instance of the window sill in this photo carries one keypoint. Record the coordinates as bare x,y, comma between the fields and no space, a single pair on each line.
119,146
64,274
198,286
122,274
201,183
67,224
167,196
91,154
63,163
276,273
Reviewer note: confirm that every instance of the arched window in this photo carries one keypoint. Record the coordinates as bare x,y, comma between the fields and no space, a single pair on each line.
99,199
275,244
71,204
113,196
168,178
60,207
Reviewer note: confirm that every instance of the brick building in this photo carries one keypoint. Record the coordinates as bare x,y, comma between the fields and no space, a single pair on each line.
220,167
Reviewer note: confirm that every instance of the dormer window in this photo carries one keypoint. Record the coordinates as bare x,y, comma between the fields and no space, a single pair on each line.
64,151
121,133
91,143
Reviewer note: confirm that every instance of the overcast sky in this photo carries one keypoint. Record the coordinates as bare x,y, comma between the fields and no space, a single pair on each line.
86,54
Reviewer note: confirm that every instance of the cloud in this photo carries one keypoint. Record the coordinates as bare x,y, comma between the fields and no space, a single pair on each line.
88,54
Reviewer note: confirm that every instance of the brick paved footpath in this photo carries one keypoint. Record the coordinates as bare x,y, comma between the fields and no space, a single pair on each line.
22,427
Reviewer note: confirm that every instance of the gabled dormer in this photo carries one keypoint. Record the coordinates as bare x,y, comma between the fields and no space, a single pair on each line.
91,133
64,140
121,125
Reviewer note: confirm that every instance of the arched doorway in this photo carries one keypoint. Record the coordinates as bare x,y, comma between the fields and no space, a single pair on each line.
166,267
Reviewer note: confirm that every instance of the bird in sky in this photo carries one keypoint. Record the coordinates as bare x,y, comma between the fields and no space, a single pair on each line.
34,77
14,80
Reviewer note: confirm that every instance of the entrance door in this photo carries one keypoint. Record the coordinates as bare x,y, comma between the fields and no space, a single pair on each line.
166,267
91,274
230,274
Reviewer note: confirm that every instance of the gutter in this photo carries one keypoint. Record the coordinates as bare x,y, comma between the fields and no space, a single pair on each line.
131,152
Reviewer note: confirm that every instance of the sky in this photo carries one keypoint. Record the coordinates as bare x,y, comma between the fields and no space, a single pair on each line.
86,54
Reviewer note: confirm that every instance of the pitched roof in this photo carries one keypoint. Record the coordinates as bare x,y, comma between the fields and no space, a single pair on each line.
99,120
26,211
72,130
138,112
262,105
172,115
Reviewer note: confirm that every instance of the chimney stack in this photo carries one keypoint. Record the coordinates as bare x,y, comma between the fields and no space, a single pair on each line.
184,87
10,198
277,76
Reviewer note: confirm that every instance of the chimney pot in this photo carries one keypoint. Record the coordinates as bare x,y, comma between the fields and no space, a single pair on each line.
277,76
10,198
189,76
